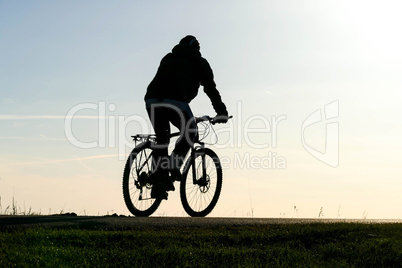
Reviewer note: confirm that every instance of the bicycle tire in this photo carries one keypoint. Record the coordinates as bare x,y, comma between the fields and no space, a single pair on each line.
139,161
199,200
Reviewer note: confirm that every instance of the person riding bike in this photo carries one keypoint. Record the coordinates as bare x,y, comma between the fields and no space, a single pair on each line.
167,99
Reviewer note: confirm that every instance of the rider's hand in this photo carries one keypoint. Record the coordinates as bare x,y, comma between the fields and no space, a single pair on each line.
221,119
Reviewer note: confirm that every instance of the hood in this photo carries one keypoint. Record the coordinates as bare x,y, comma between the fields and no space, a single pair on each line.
186,51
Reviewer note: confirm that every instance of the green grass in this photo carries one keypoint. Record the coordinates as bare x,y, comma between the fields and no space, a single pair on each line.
301,245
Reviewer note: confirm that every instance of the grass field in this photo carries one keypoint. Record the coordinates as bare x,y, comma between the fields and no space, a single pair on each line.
301,245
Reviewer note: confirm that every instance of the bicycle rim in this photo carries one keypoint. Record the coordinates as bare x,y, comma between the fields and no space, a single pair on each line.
200,198
136,188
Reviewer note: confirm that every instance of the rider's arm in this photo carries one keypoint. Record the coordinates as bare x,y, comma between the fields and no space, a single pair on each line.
207,81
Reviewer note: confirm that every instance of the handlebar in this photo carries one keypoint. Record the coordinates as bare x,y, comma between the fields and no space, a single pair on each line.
209,119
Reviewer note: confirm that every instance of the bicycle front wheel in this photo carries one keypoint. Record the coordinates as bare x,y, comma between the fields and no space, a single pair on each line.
202,183
136,185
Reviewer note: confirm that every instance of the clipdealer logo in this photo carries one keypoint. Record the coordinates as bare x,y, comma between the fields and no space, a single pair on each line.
112,132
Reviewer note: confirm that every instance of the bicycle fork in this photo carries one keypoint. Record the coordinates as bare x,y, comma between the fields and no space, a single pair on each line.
201,152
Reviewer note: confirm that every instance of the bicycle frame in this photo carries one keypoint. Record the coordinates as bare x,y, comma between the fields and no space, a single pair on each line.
152,138
193,148
198,195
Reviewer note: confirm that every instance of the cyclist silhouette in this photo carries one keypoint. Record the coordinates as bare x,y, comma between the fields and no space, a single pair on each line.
167,99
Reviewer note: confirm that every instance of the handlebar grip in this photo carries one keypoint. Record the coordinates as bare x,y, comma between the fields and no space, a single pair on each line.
208,118
213,119
202,119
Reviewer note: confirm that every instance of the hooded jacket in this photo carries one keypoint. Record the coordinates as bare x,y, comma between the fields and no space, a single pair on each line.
179,76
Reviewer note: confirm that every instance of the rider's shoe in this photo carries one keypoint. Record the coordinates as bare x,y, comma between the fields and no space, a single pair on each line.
159,192
158,180
169,185
162,181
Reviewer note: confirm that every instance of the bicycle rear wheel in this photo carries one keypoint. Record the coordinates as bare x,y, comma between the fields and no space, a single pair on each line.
200,194
136,185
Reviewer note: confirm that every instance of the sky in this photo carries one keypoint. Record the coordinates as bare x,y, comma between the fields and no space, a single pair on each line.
314,88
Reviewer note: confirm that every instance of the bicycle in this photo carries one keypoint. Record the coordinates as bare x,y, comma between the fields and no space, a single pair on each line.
199,189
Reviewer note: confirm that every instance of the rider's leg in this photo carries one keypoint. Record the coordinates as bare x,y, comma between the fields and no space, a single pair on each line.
186,139
160,123
181,116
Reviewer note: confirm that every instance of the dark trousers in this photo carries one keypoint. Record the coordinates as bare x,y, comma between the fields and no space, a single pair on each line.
180,115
